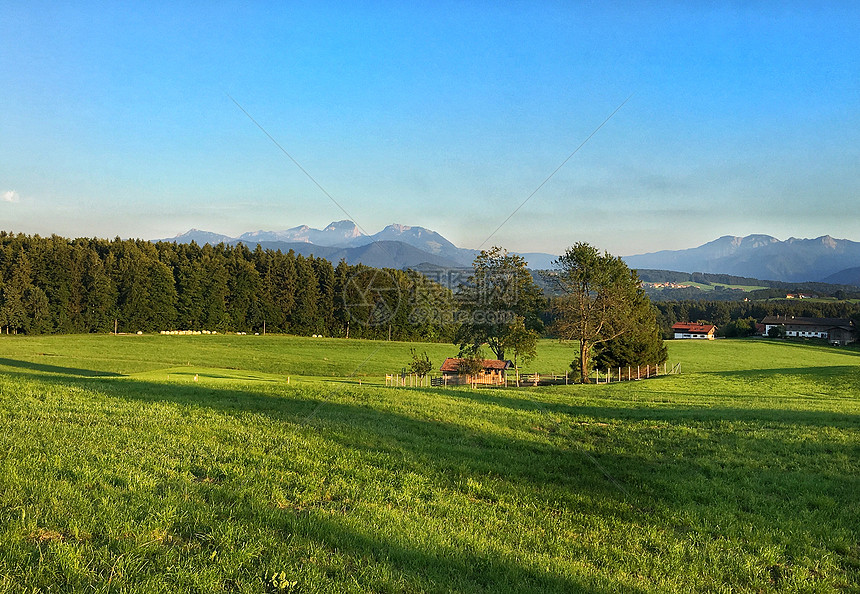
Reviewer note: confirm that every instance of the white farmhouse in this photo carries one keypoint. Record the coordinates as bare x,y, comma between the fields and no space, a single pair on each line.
699,331
836,330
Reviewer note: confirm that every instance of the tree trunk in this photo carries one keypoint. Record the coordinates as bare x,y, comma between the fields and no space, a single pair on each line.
583,363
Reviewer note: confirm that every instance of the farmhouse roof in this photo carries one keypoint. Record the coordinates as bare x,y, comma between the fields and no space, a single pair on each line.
688,327
797,321
452,364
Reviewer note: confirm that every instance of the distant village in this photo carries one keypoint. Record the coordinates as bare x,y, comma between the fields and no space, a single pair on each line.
674,285
837,331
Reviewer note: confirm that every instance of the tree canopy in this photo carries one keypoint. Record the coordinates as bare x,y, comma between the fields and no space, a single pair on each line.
499,291
601,301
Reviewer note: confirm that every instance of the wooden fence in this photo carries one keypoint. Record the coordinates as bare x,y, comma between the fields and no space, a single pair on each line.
598,376
407,380
631,373
607,376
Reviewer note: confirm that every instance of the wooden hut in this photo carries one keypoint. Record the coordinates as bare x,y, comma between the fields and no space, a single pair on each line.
493,372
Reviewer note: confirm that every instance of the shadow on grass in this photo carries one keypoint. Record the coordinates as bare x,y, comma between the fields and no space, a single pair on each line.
437,570
655,410
449,450
569,465
851,350
809,373
208,374
43,368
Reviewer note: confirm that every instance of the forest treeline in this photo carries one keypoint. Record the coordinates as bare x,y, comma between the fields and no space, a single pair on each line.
56,285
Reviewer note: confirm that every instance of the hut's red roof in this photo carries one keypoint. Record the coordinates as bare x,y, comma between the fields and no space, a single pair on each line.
697,328
453,364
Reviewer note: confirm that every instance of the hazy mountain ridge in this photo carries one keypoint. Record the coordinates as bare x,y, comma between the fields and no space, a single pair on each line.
379,254
337,234
849,276
200,237
395,246
823,259
760,256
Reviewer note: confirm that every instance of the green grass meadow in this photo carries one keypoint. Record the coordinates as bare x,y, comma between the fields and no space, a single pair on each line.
288,467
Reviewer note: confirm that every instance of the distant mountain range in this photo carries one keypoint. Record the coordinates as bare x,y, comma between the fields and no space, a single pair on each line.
823,259
396,246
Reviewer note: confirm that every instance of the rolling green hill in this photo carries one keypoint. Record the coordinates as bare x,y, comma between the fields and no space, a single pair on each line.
122,473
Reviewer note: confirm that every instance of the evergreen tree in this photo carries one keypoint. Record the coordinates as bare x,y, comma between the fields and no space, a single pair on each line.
39,309
284,286
99,294
324,272
340,316
305,314
641,345
161,297
244,290
190,282
215,288
13,312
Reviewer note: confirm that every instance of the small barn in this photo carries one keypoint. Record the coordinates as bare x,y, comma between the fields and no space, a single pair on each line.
696,331
493,372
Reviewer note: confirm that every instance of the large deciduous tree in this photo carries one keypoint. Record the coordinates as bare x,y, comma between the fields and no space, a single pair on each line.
500,290
601,301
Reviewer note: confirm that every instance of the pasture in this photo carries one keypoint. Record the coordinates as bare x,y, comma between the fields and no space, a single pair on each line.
121,473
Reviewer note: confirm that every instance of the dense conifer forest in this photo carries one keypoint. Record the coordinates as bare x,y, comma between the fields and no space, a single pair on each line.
57,285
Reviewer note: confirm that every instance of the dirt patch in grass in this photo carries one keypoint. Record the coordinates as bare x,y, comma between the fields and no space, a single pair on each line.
41,535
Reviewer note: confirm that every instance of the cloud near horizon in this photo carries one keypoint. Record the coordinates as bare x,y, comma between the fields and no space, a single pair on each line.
10,196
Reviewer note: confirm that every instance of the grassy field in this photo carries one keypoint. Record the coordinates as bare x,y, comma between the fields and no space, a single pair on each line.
120,473
90,355
713,286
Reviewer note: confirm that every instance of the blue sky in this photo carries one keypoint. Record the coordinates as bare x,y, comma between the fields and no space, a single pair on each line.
116,119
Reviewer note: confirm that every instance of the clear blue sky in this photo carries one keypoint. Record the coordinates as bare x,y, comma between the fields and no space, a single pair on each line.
115,119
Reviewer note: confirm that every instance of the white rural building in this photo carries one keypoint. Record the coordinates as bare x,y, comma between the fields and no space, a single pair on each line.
837,330
700,331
